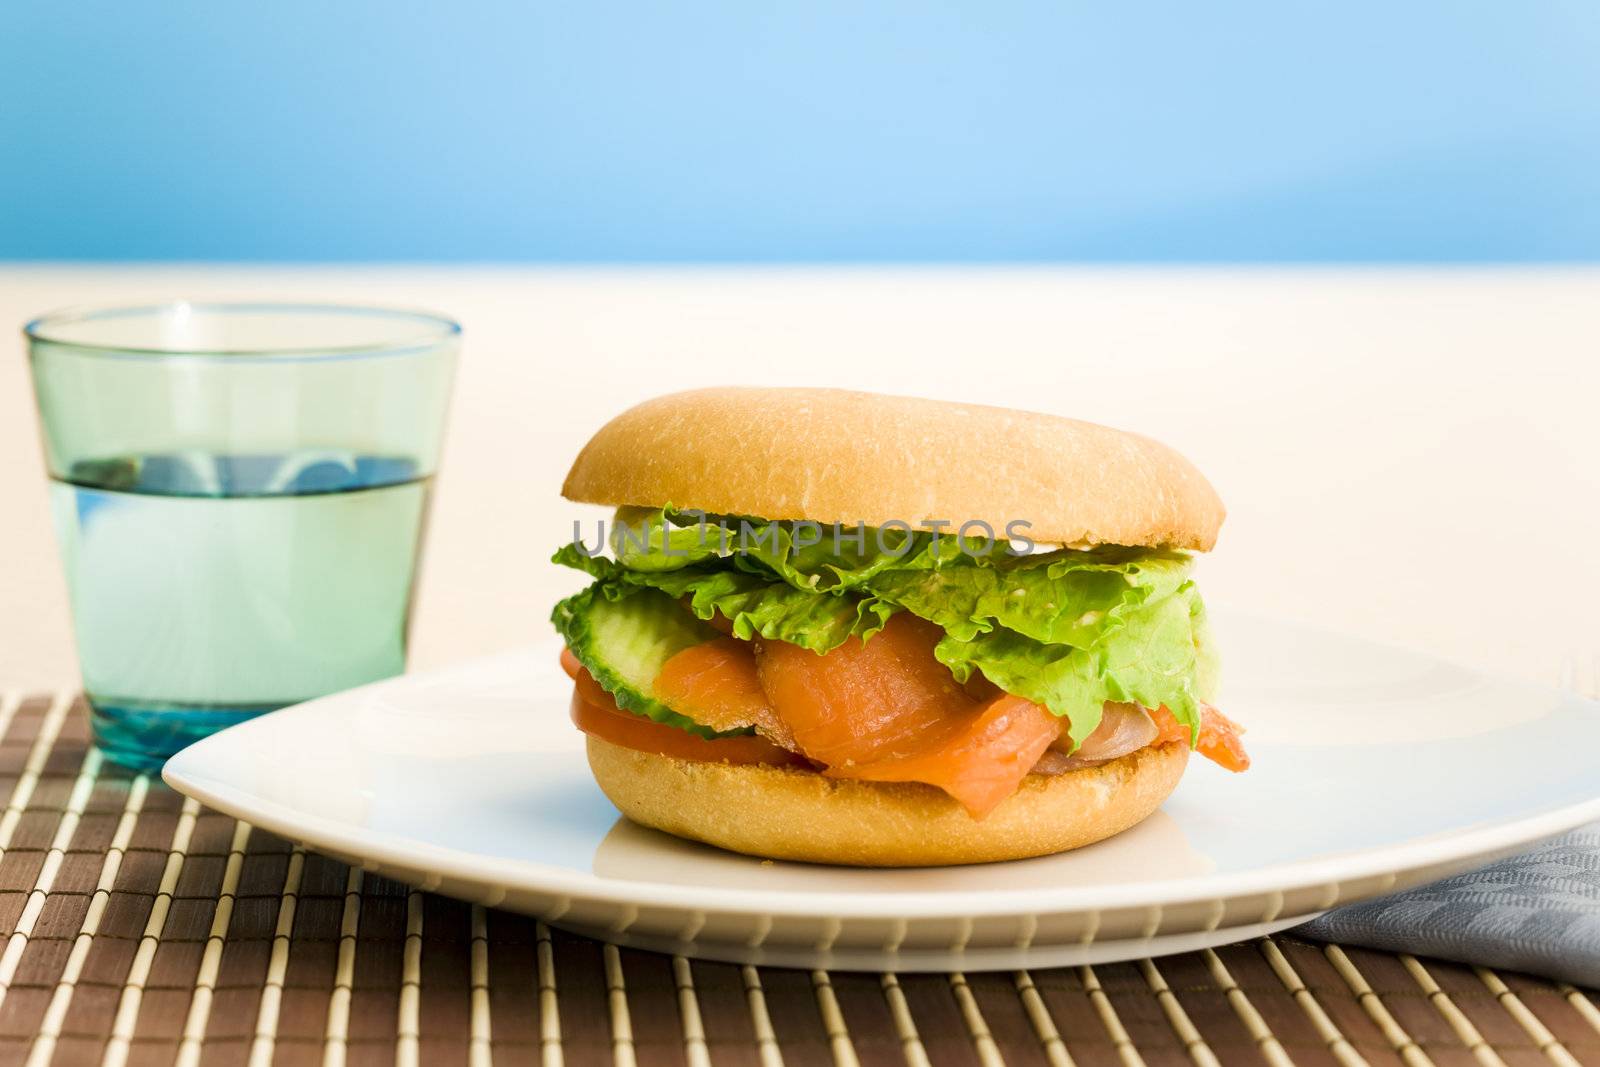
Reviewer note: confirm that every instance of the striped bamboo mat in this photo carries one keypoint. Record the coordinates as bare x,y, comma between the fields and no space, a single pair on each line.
144,929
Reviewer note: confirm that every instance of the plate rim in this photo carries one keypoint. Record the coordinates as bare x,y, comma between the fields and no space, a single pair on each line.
396,850
392,850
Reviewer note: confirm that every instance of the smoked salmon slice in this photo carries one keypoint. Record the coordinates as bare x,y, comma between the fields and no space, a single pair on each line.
981,763
866,700
597,714
1219,737
886,710
716,685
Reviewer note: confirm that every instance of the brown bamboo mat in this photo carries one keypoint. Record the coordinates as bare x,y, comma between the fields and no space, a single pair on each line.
143,929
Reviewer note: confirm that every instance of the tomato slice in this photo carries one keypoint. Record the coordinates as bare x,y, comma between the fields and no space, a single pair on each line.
1219,737
596,713
569,663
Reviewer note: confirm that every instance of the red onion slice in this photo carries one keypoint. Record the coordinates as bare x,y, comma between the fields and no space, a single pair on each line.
1123,728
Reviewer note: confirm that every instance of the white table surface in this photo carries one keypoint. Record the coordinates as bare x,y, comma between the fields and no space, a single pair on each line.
1412,455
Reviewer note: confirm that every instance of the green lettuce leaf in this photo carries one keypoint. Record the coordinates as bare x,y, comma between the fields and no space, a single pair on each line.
1207,664
756,605
804,554
1069,629
1150,659
1068,596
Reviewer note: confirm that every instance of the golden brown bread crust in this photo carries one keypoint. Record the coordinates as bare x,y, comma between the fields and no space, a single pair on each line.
832,455
791,814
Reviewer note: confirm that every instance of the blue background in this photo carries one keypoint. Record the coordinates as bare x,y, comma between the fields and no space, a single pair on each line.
801,130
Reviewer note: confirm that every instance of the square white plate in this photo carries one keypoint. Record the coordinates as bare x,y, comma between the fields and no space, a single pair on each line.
1375,769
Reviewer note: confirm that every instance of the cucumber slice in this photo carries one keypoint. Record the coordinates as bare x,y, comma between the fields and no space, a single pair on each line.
624,643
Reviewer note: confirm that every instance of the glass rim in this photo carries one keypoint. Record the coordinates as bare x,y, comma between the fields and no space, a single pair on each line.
433,329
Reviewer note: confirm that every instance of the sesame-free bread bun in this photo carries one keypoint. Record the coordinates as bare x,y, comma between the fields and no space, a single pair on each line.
793,814
831,455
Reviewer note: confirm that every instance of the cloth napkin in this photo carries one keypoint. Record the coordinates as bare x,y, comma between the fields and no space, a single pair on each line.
1537,912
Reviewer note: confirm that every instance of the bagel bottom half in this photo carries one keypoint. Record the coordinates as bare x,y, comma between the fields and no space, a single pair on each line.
792,814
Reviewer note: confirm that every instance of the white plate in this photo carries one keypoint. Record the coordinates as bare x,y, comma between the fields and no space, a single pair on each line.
1375,770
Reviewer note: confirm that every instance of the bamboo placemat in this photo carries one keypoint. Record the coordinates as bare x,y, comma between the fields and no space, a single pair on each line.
145,929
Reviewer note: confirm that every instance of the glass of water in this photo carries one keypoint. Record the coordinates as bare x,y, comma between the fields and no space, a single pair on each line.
240,492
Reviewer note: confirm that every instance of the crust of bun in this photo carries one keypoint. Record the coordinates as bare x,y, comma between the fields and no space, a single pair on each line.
832,455
791,814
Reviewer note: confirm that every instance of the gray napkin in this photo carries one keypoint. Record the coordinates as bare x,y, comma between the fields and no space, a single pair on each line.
1538,912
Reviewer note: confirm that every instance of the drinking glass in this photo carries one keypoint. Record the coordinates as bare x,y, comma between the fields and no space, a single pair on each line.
240,493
